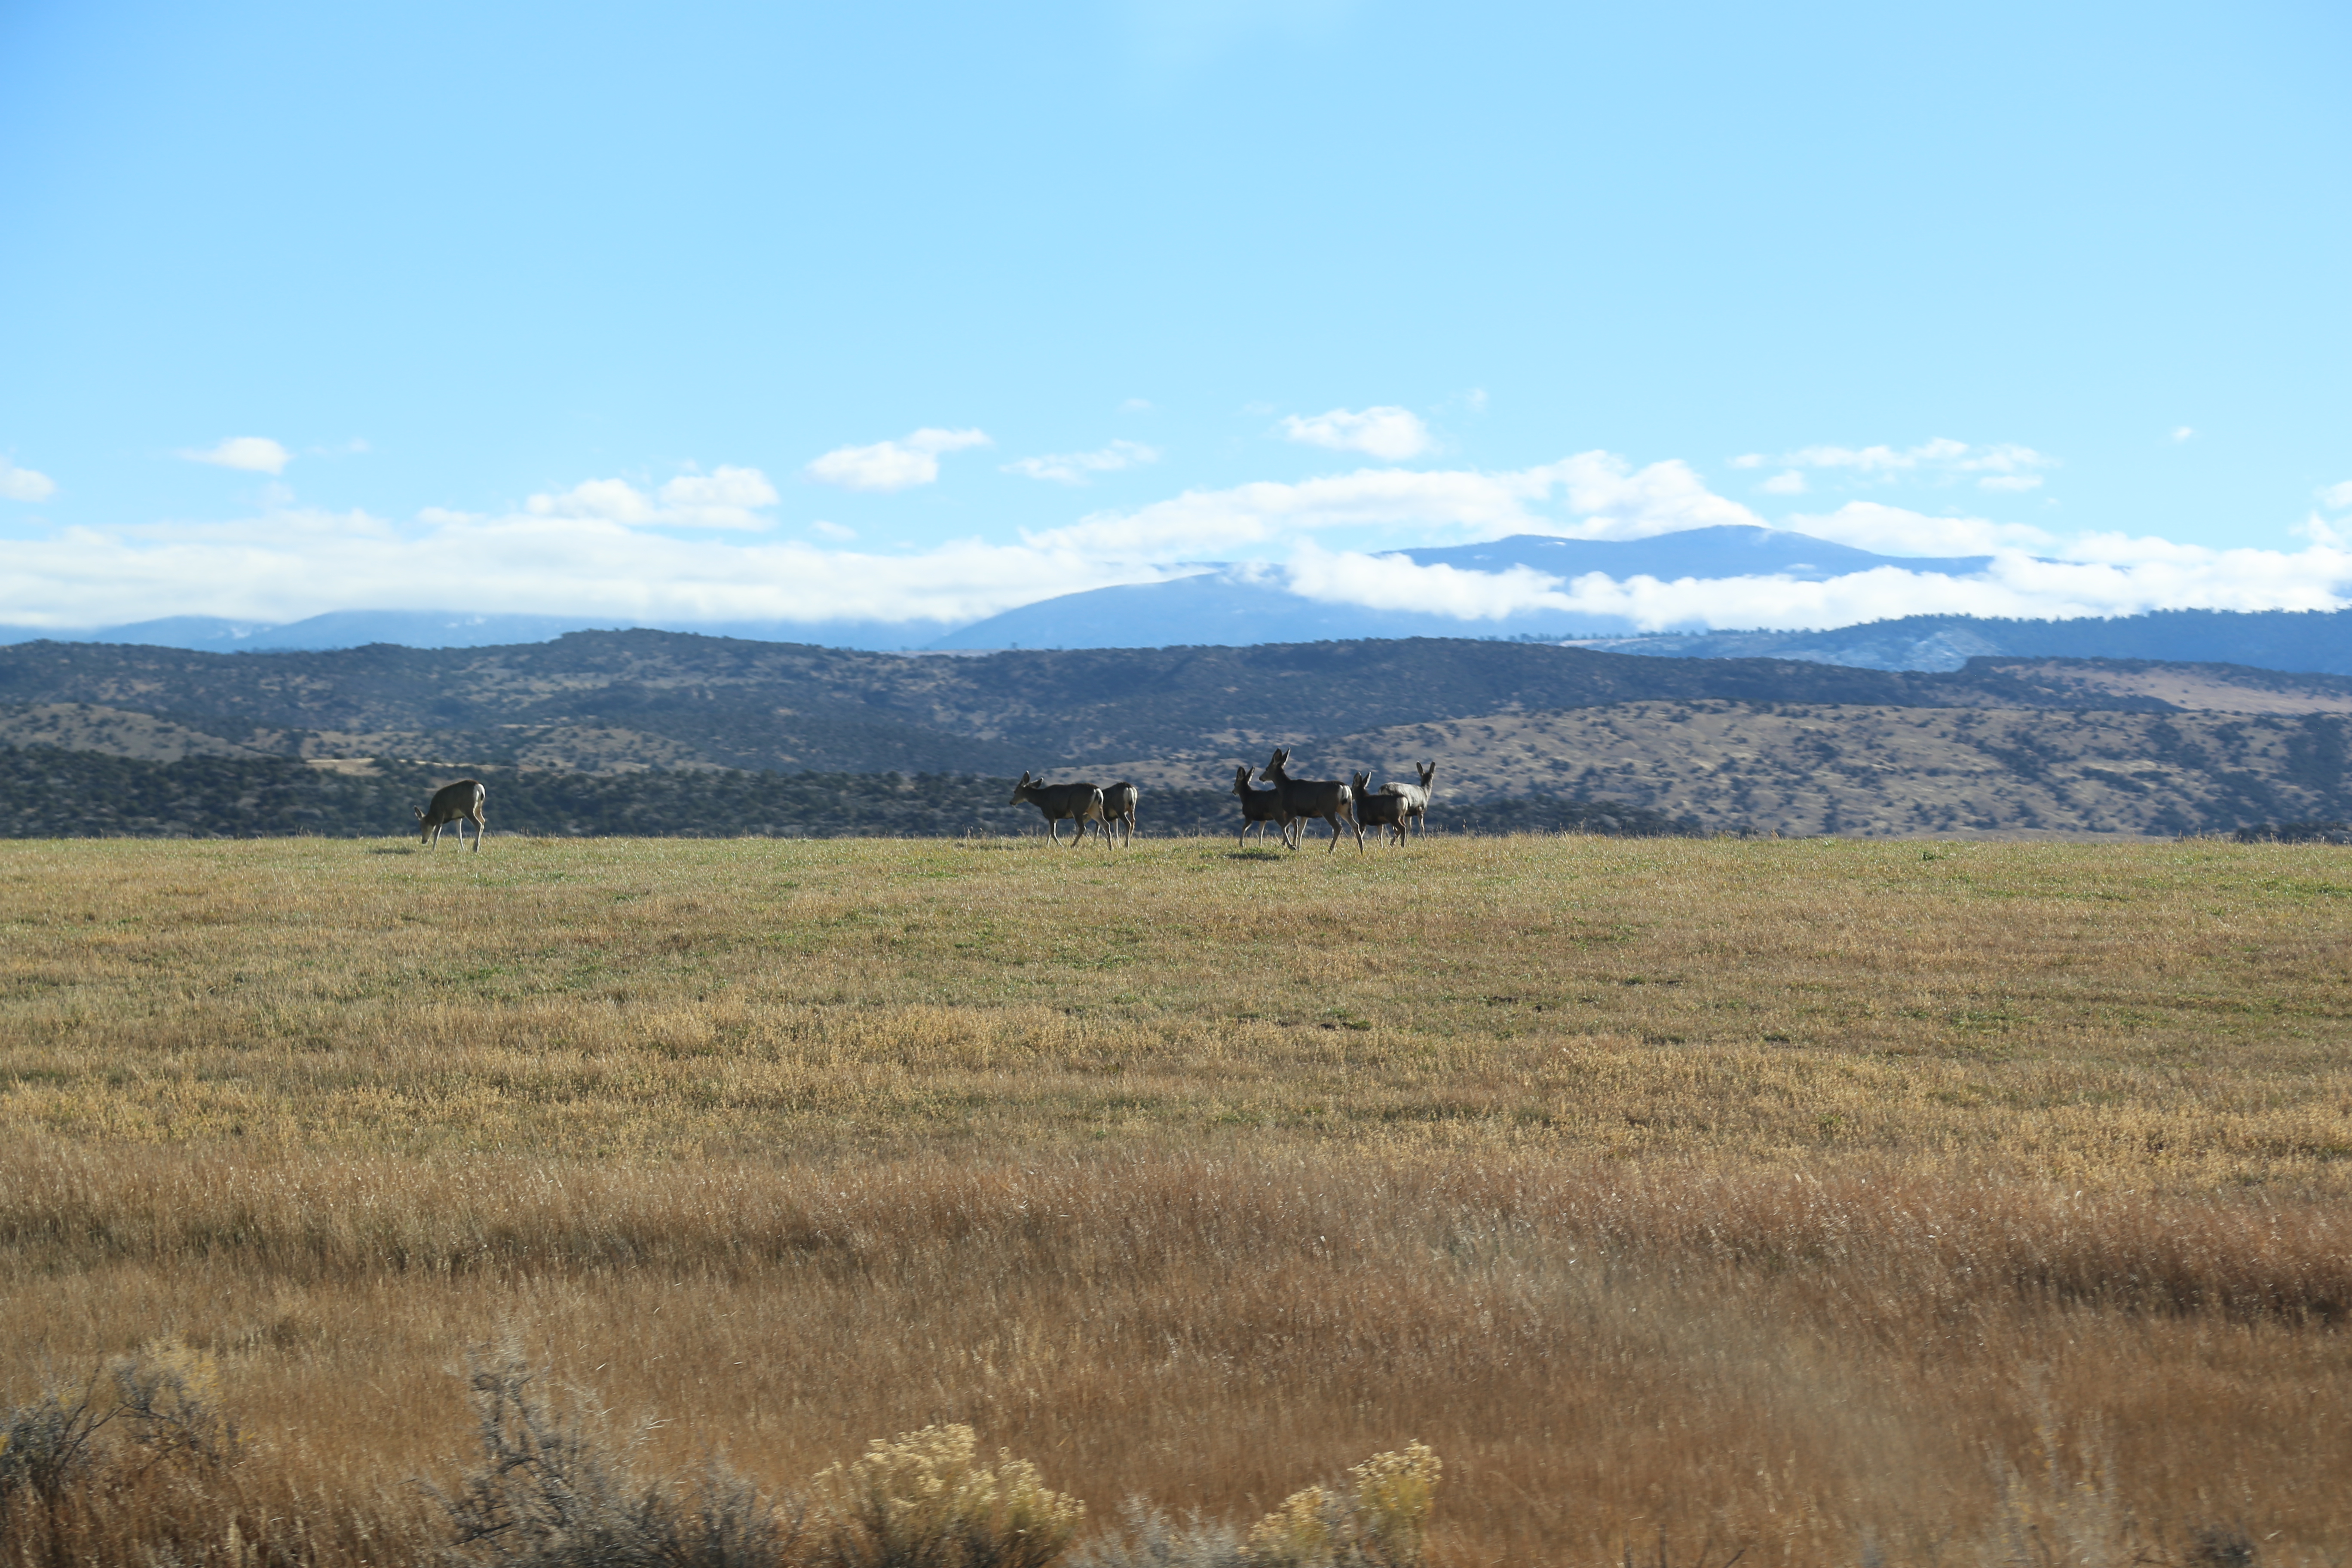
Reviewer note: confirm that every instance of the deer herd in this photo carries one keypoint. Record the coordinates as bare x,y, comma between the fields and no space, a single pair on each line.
1290,804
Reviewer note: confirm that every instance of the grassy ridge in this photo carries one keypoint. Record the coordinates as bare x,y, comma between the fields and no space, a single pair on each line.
1805,1197
51,793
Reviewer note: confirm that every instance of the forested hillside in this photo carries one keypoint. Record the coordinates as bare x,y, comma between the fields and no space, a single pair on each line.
654,731
739,704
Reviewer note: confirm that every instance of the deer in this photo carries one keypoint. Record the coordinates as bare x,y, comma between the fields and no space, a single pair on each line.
1118,809
1302,800
1259,807
460,802
1417,796
1382,811
1081,803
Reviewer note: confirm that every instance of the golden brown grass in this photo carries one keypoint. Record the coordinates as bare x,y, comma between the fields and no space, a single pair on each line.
1812,1198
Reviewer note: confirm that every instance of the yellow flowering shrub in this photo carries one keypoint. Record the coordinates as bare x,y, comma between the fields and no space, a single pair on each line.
921,1499
1383,1524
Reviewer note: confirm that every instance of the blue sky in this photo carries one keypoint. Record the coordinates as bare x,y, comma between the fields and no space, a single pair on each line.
925,310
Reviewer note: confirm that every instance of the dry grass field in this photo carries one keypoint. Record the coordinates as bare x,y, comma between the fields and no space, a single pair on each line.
1823,1201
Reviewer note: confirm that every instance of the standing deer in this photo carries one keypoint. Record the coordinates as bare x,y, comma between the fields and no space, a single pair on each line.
1302,800
1118,809
1259,807
1417,796
1382,811
1081,803
460,802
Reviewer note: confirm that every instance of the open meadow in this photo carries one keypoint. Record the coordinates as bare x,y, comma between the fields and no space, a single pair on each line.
1828,1201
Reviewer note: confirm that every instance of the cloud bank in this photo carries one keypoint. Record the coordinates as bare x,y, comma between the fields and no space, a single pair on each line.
2115,576
1601,496
284,566
662,552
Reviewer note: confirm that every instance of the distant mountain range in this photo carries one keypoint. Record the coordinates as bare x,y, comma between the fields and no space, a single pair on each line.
451,628
1242,606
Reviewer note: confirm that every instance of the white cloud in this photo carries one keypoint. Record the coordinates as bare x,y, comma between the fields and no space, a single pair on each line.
1894,531
1605,497
1787,483
2336,498
25,484
893,465
2183,433
591,551
1391,434
2116,576
1072,467
254,454
1136,405
1397,582
2009,466
726,498
284,566
1876,459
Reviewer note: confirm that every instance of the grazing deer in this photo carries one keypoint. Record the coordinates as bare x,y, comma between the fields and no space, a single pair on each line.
1081,803
460,802
1302,800
1118,809
1259,807
1417,796
1382,811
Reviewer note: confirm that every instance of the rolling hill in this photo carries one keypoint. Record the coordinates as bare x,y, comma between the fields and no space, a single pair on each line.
2001,746
2313,641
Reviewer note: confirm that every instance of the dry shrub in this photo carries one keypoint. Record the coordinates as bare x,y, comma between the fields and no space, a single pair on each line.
158,1409
921,1500
551,1492
1382,1522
